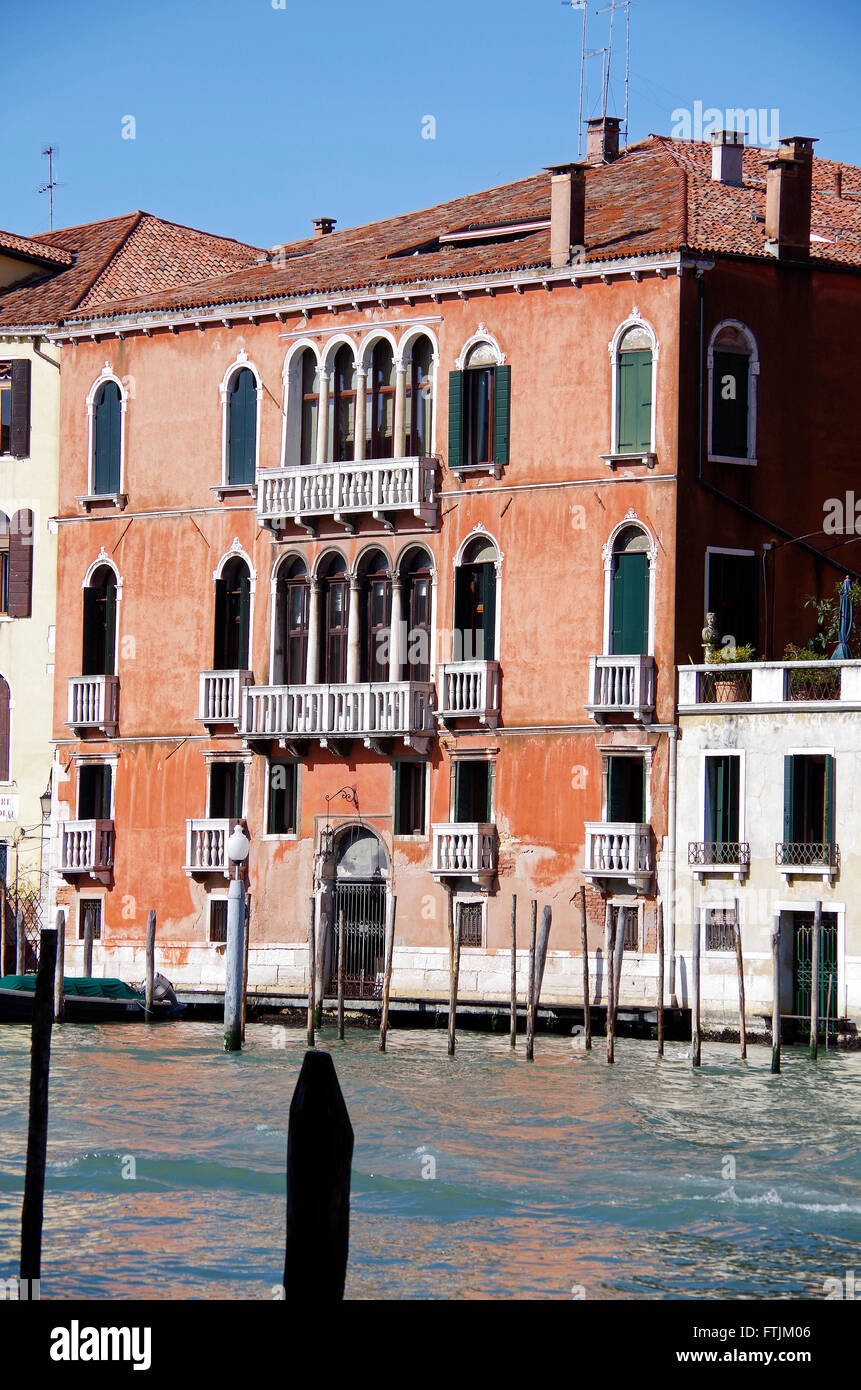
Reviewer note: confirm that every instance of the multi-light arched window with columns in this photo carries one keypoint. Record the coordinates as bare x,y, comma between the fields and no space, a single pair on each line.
634,360
412,617
630,556
106,411
733,368
241,393
291,607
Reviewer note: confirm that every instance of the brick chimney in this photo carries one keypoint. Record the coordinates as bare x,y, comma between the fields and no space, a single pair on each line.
324,226
728,157
789,191
602,139
567,211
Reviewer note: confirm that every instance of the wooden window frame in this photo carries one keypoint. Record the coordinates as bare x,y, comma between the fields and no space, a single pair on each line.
397,765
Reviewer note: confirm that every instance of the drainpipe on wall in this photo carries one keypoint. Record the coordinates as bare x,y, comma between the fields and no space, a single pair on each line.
670,900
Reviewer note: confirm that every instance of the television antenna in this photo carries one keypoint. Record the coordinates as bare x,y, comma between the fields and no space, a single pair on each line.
50,151
611,10
580,5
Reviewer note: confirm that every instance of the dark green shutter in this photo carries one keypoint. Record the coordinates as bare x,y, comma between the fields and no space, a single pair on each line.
630,635
110,629
238,787
244,620
501,414
90,655
730,418
455,419
106,471
242,427
634,409
20,423
220,645
788,797
488,601
828,818
461,795
461,609
105,809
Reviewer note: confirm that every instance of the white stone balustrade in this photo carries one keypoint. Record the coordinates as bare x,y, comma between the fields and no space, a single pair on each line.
378,486
220,696
771,684
94,703
469,690
621,685
618,849
206,846
466,850
385,709
86,846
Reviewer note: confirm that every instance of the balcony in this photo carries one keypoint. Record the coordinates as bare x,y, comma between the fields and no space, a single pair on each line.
469,690
94,704
206,847
465,851
621,685
220,697
807,858
86,848
771,686
619,851
381,488
719,857
332,713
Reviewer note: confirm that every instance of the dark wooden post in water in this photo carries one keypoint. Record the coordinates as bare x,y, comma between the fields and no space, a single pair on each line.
618,958
742,1022
387,977
610,966
21,944
660,979
149,953
455,971
246,930
88,942
541,952
59,969
814,983
341,975
514,970
37,1133
319,1155
530,986
696,1043
584,944
775,1013
312,969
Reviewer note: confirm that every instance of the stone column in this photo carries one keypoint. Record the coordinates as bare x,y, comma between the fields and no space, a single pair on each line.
353,634
396,655
323,420
361,408
400,442
313,661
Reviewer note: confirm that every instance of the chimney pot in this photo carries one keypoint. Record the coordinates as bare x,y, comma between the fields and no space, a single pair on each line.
324,226
728,157
789,194
567,212
602,139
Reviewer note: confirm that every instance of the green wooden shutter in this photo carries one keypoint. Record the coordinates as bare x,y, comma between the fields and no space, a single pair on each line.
242,427
730,417
238,788
106,440
110,629
220,643
630,633
20,423
89,659
828,818
461,793
788,796
488,600
105,807
634,407
455,419
244,621
501,414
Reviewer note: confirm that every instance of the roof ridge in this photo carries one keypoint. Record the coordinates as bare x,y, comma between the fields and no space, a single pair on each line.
103,265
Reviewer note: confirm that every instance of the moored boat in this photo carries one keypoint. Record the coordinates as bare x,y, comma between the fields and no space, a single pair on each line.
89,1000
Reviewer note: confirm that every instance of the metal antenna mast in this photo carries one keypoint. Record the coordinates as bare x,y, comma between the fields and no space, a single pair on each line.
49,187
611,10
580,5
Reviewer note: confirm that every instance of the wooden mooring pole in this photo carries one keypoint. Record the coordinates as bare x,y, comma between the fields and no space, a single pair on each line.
696,1040
454,920
149,954
660,979
584,946
312,969
37,1133
59,969
814,982
21,944
610,953
88,942
387,977
742,1021
513,1018
246,946
775,1012
341,975
319,1157
530,985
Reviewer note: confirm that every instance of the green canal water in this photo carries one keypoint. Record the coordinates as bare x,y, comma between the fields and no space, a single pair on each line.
477,1177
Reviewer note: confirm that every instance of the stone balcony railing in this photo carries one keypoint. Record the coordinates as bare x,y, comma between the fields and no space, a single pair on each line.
771,685
378,710
343,491
619,850
469,690
220,696
621,685
467,850
206,846
94,704
86,847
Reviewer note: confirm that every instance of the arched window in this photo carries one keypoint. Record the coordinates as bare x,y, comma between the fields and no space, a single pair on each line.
232,617
290,653
733,365
241,427
475,603
376,617
381,443
634,371
310,385
417,581
478,409
5,728
334,609
419,404
342,407
629,593
107,439
100,624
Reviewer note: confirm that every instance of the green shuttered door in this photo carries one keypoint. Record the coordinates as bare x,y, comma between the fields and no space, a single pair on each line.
635,402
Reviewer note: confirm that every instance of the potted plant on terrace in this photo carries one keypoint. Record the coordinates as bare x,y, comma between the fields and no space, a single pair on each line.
729,686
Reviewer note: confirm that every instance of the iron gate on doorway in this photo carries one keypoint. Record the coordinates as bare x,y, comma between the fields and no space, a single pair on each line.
802,972
362,909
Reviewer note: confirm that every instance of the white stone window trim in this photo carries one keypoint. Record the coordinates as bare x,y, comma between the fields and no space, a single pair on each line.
235,550
240,362
104,560
608,550
481,336
80,899
120,497
406,550
291,413
480,530
752,379
733,903
720,550
110,760
644,751
416,836
634,320
283,561
288,835
739,753
467,899
837,910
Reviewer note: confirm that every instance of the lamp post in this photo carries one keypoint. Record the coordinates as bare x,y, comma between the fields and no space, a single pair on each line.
45,805
236,849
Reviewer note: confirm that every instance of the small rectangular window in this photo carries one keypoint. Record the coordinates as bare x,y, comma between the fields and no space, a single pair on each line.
626,790
283,787
226,790
472,791
94,791
809,800
720,928
733,597
218,921
410,781
471,921
90,908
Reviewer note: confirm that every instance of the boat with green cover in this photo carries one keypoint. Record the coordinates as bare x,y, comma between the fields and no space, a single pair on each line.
88,1000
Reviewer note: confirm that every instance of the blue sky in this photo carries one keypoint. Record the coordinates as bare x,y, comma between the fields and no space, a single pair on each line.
250,120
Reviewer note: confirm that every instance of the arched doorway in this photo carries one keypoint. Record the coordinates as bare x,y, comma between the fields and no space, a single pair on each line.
99,654
629,626
359,901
